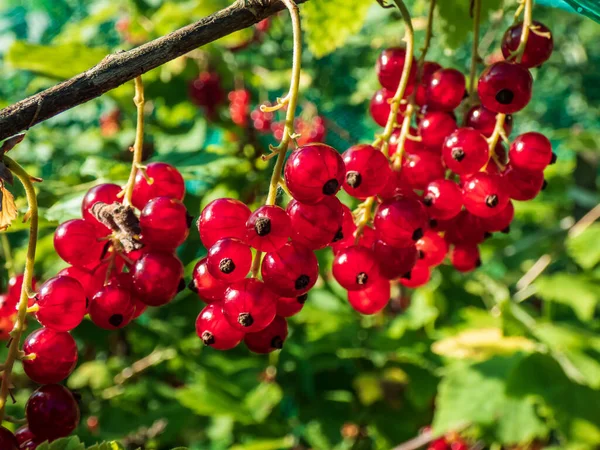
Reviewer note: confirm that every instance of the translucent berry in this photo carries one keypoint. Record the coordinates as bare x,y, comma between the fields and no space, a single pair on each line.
13,294
505,87
222,218
157,278
75,242
105,193
372,299
465,151
208,288
313,172
214,329
7,323
530,151
429,68
62,303
418,276
112,307
52,412
83,276
400,222
165,223
24,434
446,89
397,186
8,441
269,339
394,261
55,356
465,257
290,271
434,127
345,234
442,199
484,121
538,48
501,221
261,120
290,306
420,169
465,229
229,260
356,268
432,249
268,228
522,184
249,305
367,171
166,181
484,195
315,226
390,66
380,106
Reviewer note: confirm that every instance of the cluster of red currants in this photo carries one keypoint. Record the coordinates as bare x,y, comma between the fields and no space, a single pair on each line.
8,305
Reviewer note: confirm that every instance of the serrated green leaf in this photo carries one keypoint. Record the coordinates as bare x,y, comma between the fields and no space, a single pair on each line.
574,291
585,247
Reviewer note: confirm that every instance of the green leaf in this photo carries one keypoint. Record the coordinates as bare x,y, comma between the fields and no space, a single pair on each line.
262,399
70,443
94,374
585,247
456,21
570,290
112,446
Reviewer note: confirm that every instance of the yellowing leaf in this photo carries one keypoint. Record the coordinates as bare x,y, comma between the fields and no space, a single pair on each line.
8,213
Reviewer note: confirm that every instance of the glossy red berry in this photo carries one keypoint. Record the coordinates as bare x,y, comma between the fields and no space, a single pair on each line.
484,195
157,278
465,229
222,218
367,171
261,121
538,48
397,186
229,260
394,261
268,228
75,242
410,146
356,268
249,305
13,294
522,184
400,222
446,89
380,106
8,441
313,172
505,87
315,226
83,276
345,234
290,306
7,323
439,444
432,249
269,339
312,131
465,257
24,434
418,276
390,66
484,121
465,151
530,151
429,68
214,329
161,180
501,221
434,127
420,169
62,303
290,271
112,307
208,288
52,412
165,223
55,356
30,445
372,299
105,193
442,199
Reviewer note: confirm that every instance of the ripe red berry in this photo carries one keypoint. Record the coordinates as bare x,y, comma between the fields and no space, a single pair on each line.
222,218
465,229
315,226
345,234
8,441
112,307
538,48
394,261
434,127
75,242
208,288
484,121
418,276
439,444
313,172
400,222
429,68
446,89
239,106
290,271
24,434
62,303
105,193
214,329
261,121
249,305
165,223
505,87
380,106
52,412
530,151
432,249
443,199
13,295
290,306
397,186
390,66
229,260
372,299
356,268
6,325
465,151
367,171
465,257
29,445
157,278
500,221
206,91
522,184
410,146
420,169
269,339
268,228
83,276
312,131
55,356
484,195
165,181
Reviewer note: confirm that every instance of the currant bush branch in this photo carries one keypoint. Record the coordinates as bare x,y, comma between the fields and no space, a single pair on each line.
138,144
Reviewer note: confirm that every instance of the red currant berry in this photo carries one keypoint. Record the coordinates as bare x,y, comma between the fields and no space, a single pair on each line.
76,243
62,303
538,48
165,181
390,66
7,323
52,412
206,91
139,307
367,171
417,277
13,295
229,260
290,271
484,121
268,228
522,184
400,222
239,106
530,151
465,151
24,434
269,339
394,261
208,288
410,146
105,193
422,168
112,307
443,199
446,89
397,186
83,276
460,445
484,195
315,226
222,218
313,172
249,305
55,356
505,87
165,223
345,234
465,229
501,221
157,278
372,299
432,249
356,268
380,106
261,121
465,257
439,444
8,441
311,132
214,329
434,127
29,445
290,306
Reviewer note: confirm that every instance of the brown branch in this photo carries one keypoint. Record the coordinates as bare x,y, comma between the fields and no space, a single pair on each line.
119,68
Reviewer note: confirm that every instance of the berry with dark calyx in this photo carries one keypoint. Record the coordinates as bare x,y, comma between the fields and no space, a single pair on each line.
206,91
530,151
290,271
222,218
434,127
165,223
249,305
105,193
501,221
315,226
394,261
8,441
465,257
52,412
313,172
215,331
345,233
13,294
24,434
268,228
76,243
83,276
229,260
372,299
442,199
367,171
465,229
380,106
505,87
208,288
484,121
417,277
400,222
112,307
161,180
432,249
390,66
269,339
465,151
55,356
356,268
522,185
156,278
420,169
62,303
290,306
538,48
484,195
446,89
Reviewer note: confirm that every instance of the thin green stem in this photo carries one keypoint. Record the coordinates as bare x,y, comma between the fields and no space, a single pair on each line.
527,22
6,251
15,334
475,48
138,144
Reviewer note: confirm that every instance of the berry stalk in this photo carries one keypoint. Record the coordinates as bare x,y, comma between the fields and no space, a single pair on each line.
138,144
